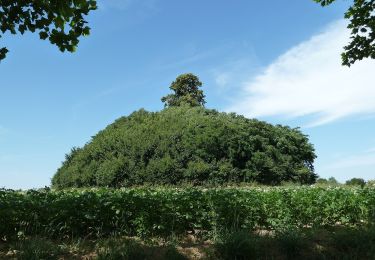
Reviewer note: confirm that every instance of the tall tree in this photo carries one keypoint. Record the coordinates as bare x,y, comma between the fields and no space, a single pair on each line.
362,24
60,21
186,91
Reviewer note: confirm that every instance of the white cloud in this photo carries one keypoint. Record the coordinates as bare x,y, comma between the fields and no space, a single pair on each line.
191,58
233,70
309,80
226,74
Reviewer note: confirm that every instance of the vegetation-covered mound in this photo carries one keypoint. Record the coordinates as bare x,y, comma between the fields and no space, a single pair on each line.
187,143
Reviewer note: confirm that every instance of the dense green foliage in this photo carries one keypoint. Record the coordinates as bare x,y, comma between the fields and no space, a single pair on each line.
166,211
186,91
187,144
60,21
362,24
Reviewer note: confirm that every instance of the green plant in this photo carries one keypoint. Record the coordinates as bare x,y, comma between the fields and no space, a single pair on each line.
163,212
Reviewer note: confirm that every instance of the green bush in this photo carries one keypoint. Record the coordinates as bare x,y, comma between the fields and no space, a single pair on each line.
184,144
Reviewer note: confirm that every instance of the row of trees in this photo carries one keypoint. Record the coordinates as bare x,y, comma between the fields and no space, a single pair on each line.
352,182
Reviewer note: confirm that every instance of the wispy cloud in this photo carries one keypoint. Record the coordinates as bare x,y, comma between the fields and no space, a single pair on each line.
309,80
189,59
125,4
366,158
229,74
90,100
192,54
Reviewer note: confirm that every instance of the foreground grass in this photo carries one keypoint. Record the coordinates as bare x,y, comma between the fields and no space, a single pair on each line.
115,248
327,243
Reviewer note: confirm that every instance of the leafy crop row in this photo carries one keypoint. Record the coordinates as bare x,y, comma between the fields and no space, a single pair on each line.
165,211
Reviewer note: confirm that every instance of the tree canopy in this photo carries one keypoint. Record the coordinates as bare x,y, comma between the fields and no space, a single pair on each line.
186,91
187,143
62,22
356,182
330,181
362,25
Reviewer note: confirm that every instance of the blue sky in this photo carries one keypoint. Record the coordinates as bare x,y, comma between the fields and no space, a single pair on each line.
274,60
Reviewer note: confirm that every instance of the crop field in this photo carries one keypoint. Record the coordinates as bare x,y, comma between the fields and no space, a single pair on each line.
115,223
162,212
